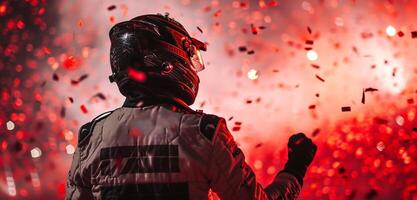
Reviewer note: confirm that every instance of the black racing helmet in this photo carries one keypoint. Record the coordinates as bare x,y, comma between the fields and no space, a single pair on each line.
154,55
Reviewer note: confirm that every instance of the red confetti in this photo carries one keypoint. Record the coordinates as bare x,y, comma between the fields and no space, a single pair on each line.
236,128
199,29
217,13
309,29
318,77
46,50
311,107
315,132
202,104
70,63
80,23
3,9
83,109
100,96
262,27
112,19
400,33
371,89
346,109
71,99
62,113
315,66
43,84
20,24
414,34
242,48
380,120
273,3
55,77
251,52
253,29
81,78
258,145
410,101
309,42
112,7
41,11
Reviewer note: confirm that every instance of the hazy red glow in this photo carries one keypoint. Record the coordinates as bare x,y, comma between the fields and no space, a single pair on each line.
273,68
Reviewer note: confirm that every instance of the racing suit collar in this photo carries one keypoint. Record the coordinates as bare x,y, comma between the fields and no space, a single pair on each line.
140,101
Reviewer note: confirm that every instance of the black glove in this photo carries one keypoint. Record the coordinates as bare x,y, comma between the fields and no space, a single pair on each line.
301,151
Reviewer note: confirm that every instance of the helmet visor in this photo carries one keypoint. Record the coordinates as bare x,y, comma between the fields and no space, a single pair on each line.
196,59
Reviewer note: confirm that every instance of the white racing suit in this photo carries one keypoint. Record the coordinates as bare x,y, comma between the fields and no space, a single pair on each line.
160,152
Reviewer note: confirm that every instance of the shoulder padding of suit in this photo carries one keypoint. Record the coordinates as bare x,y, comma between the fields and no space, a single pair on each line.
208,125
87,129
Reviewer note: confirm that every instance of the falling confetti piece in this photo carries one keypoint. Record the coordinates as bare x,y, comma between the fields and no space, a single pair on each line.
217,13
242,49
112,7
81,78
112,19
20,24
100,96
71,63
318,77
46,50
83,109
346,109
363,97
309,29
414,34
55,77
400,33
202,104
62,113
380,120
371,89
315,132
199,29
43,84
253,29
315,66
